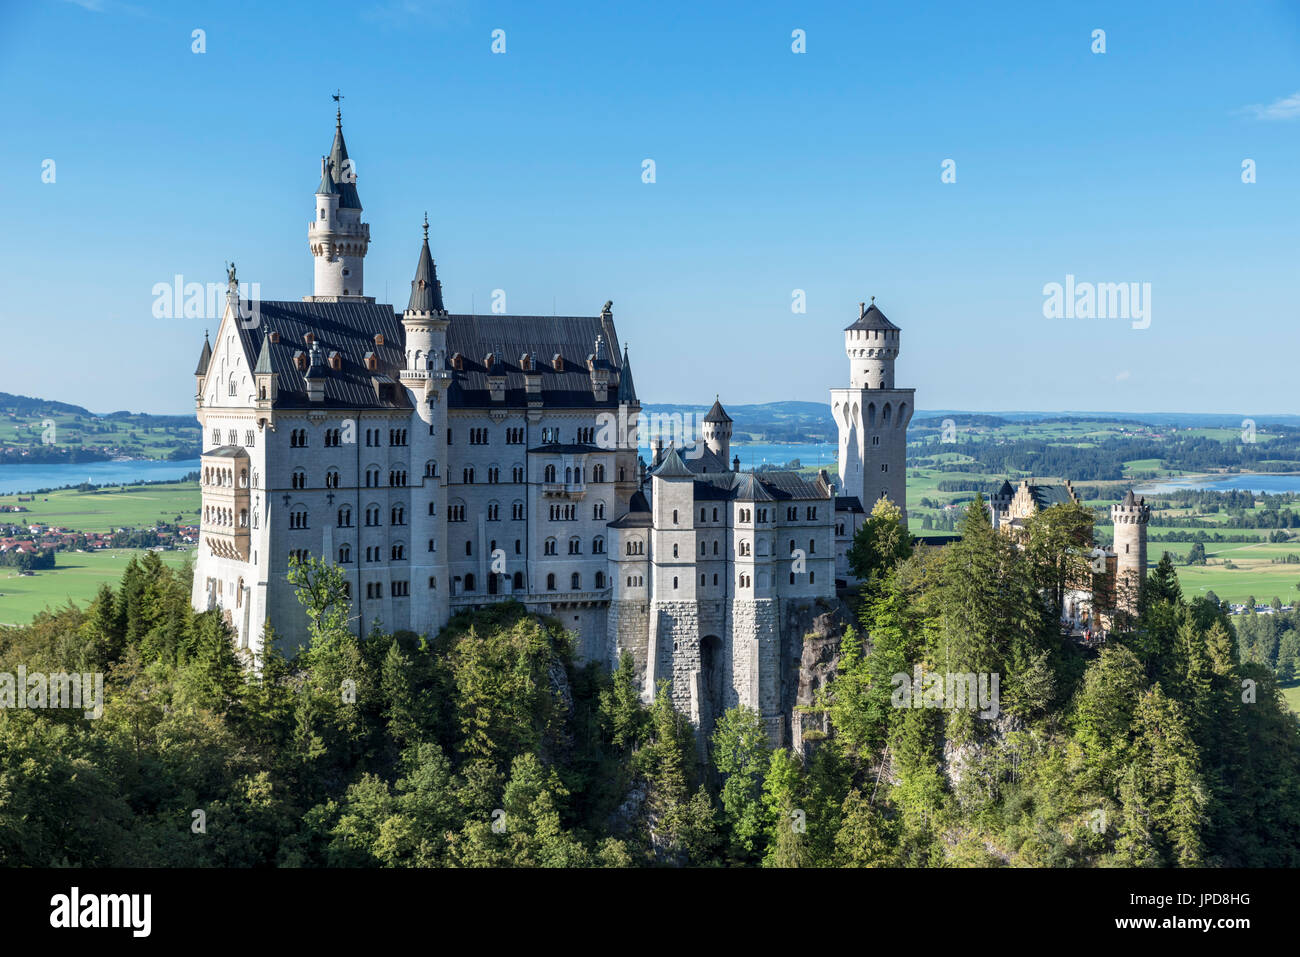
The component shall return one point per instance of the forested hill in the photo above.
(489, 745)
(41, 430)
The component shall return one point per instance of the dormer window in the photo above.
(458, 362)
(300, 360)
(557, 361)
(336, 361)
(372, 362)
(309, 338)
(379, 336)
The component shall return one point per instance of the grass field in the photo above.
(76, 576)
(108, 509)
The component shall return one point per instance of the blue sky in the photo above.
(775, 171)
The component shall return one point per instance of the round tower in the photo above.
(716, 430)
(871, 344)
(337, 237)
(426, 380)
(1130, 517)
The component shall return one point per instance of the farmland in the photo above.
(76, 577)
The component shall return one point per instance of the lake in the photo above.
(1274, 482)
(29, 478)
(765, 453)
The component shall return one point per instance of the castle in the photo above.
(446, 461)
(1109, 598)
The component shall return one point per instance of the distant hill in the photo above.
(79, 435)
(789, 421)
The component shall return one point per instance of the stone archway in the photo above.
(712, 690)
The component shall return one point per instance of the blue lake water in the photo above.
(1270, 482)
(762, 453)
(29, 478)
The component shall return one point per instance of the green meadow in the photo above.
(132, 506)
(76, 577)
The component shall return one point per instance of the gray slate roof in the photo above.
(573, 337)
(426, 291)
(626, 389)
(872, 318)
(348, 198)
(672, 466)
(717, 413)
(348, 328)
(205, 356)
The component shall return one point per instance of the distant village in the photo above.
(34, 546)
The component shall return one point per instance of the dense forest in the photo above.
(489, 745)
(1103, 460)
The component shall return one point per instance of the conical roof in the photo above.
(263, 366)
(326, 186)
(717, 413)
(626, 390)
(872, 318)
(204, 357)
(344, 174)
(426, 291)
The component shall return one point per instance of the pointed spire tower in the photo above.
(337, 237)
(426, 379)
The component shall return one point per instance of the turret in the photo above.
(201, 370)
(337, 237)
(872, 414)
(872, 346)
(1130, 517)
(716, 430)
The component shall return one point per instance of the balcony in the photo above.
(226, 512)
(564, 489)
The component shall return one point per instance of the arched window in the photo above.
(519, 581)
(674, 516)
(469, 582)
(550, 582)
(345, 554)
(674, 581)
(600, 580)
(575, 582)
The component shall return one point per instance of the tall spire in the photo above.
(626, 390)
(341, 168)
(426, 290)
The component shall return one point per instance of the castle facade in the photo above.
(446, 461)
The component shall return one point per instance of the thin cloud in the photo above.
(1286, 108)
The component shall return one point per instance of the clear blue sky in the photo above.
(775, 171)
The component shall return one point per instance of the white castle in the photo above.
(445, 462)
